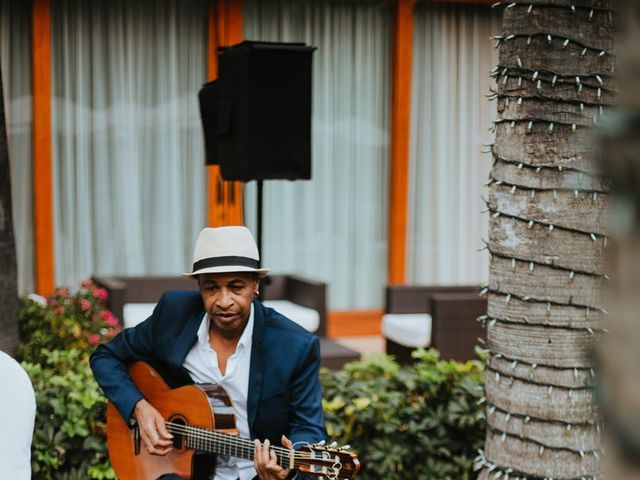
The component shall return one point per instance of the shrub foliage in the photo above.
(57, 336)
(64, 321)
(421, 421)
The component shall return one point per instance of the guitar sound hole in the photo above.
(178, 438)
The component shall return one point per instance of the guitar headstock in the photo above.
(329, 461)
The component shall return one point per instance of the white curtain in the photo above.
(15, 54)
(453, 55)
(334, 227)
(128, 149)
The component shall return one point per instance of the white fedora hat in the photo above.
(226, 250)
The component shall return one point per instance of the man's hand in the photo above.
(155, 437)
(266, 462)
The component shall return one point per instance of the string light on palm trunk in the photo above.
(546, 101)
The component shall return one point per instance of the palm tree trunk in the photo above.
(8, 268)
(547, 240)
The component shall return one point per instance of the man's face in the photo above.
(227, 299)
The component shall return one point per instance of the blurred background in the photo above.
(128, 190)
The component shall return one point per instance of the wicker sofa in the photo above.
(443, 317)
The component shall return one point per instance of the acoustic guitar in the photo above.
(202, 422)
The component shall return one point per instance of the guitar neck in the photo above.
(225, 444)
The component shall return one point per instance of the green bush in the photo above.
(57, 337)
(421, 421)
(69, 437)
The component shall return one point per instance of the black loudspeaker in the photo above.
(257, 115)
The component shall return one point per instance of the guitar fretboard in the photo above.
(226, 444)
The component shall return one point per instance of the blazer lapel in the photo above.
(256, 370)
(185, 340)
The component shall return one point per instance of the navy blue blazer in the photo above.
(284, 395)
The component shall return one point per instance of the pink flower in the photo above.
(102, 294)
(86, 283)
(59, 310)
(62, 292)
(109, 318)
(85, 305)
(94, 339)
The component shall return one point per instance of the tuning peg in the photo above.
(334, 445)
(321, 442)
(346, 447)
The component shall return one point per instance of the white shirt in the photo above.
(18, 403)
(202, 364)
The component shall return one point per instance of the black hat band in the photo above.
(228, 261)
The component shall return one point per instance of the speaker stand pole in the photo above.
(264, 281)
(259, 198)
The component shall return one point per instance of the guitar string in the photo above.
(247, 446)
(202, 435)
(229, 441)
(247, 450)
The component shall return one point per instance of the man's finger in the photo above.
(286, 443)
(273, 461)
(153, 436)
(257, 453)
(145, 440)
(162, 451)
(154, 449)
(159, 451)
(149, 447)
(258, 459)
(265, 451)
(162, 429)
(150, 429)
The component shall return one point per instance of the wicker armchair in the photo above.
(452, 312)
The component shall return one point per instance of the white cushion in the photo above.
(135, 313)
(408, 329)
(306, 317)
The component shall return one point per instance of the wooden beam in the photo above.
(224, 198)
(400, 128)
(42, 158)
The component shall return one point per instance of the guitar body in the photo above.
(206, 406)
(202, 421)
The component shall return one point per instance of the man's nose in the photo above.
(224, 299)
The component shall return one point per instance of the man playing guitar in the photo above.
(224, 335)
